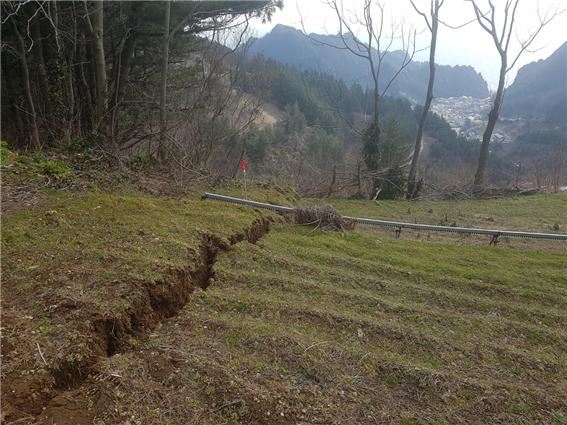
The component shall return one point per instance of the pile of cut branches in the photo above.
(323, 217)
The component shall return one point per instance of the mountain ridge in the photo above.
(290, 46)
(539, 90)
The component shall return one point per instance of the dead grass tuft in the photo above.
(323, 217)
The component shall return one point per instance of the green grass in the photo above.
(84, 256)
(539, 213)
(303, 327)
(312, 327)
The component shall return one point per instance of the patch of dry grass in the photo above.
(322, 217)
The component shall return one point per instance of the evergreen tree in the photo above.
(294, 119)
(385, 152)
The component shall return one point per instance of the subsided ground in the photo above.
(129, 308)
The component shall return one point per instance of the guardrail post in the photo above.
(398, 232)
(494, 241)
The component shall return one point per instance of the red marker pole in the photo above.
(243, 168)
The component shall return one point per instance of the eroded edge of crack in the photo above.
(153, 304)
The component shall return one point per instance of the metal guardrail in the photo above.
(400, 225)
(241, 201)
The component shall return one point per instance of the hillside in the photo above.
(131, 295)
(319, 119)
(290, 46)
(539, 90)
(119, 305)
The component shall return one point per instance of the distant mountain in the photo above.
(290, 46)
(540, 90)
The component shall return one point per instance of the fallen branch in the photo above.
(224, 406)
(40, 353)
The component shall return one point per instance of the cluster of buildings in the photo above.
(467, 117)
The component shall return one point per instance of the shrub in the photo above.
(6, 155)
(55, 169)
(139, 162)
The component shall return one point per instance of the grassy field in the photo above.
(82, 272)
(537, 213)
(310, 327)
(105, 319)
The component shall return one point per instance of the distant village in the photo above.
(467, 116)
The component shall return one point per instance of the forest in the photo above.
(173, 86)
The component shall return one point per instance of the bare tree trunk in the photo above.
(501, 37)
(163, 92)
(492, 119)
(100, 63)
(27, 87)
(88, 114)
(40, 62)
(333, 180)
(373, 50)
(376, 113)
(123, 69)
(55, 15)
(69, 84)
(70, 95)
(433, 26)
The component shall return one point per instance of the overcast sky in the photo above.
(469, 45)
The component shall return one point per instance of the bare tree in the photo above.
(26, 85)
(501, 33)
(163, 88)
(432, 22)
(376, 44)
(40, 61)
(374, 47)
(96, 29)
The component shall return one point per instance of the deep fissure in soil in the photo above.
(153, 304)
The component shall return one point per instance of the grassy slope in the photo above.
(311, 327)
(82, 258)
(304, 327)
(538, 213)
